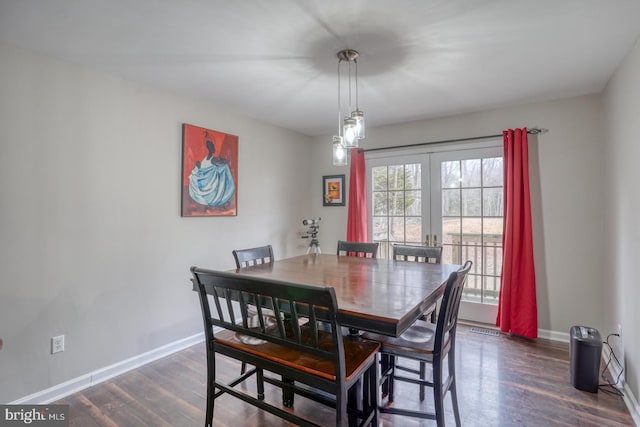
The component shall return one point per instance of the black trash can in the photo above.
(585, 352)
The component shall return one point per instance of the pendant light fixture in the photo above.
(352, 129)
(339, 150)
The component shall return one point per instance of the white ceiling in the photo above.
(275, 60)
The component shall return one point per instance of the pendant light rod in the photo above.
(356, 62)
(339, 107)
(349, 85)
(350, 55)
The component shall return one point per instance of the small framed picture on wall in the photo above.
(333, 192)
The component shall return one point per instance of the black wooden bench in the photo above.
(302, 345)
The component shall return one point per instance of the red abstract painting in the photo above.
(209, 172)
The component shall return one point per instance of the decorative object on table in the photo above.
(209, 172)
(313, 225)
(353, 128)
(333, 190)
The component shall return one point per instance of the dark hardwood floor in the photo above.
(502, 381)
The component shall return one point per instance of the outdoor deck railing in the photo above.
(486, 253)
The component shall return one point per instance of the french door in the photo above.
(452, 199)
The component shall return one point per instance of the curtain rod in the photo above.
(533, 131)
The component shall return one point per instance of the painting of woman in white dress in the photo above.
(209, 172)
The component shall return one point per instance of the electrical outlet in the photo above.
(57, 344)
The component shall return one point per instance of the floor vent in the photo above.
(485, 331)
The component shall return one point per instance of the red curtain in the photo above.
(357, 214)
(517, 309)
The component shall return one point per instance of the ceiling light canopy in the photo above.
(352, 128)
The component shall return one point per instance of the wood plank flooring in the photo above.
(502, 381)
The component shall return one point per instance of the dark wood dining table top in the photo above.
(377, 295)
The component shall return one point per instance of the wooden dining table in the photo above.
(376, 295)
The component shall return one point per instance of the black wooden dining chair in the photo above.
(357, 249)
(433, 344)
(318, 362)
(253, 256)
(429, 254)
(432, 254)
(249, 257)
(413, 253)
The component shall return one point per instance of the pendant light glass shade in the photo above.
(358, 116)
(350, 137)
(352, 129)
(339, 152)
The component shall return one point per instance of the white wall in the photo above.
(621, 289)
(92, 243)
(567, 196)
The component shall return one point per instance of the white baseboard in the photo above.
(542, 333)
(553, 335)
(629, 399)
(92, 378)
(632, 405)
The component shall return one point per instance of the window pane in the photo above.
(492, 172)
(396, 203)
(492, 203)
(413, 176)
(450, 174)
(491, 291)
(379, 177)
(450, 202)
(397, 230)
(492, 229)
(471, 202)
(413, 203)
(492, 260)
(472, 229)
(450, 254)
(472, 251)
(380, 228)
(473, 288)
(471, 173)
(396, 177)
(451, 233)
(414, 230)
(380, 203)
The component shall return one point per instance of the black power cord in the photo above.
(610, 387)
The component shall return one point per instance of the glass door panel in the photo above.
(466, 215)
(454, 198)
(397, 187)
